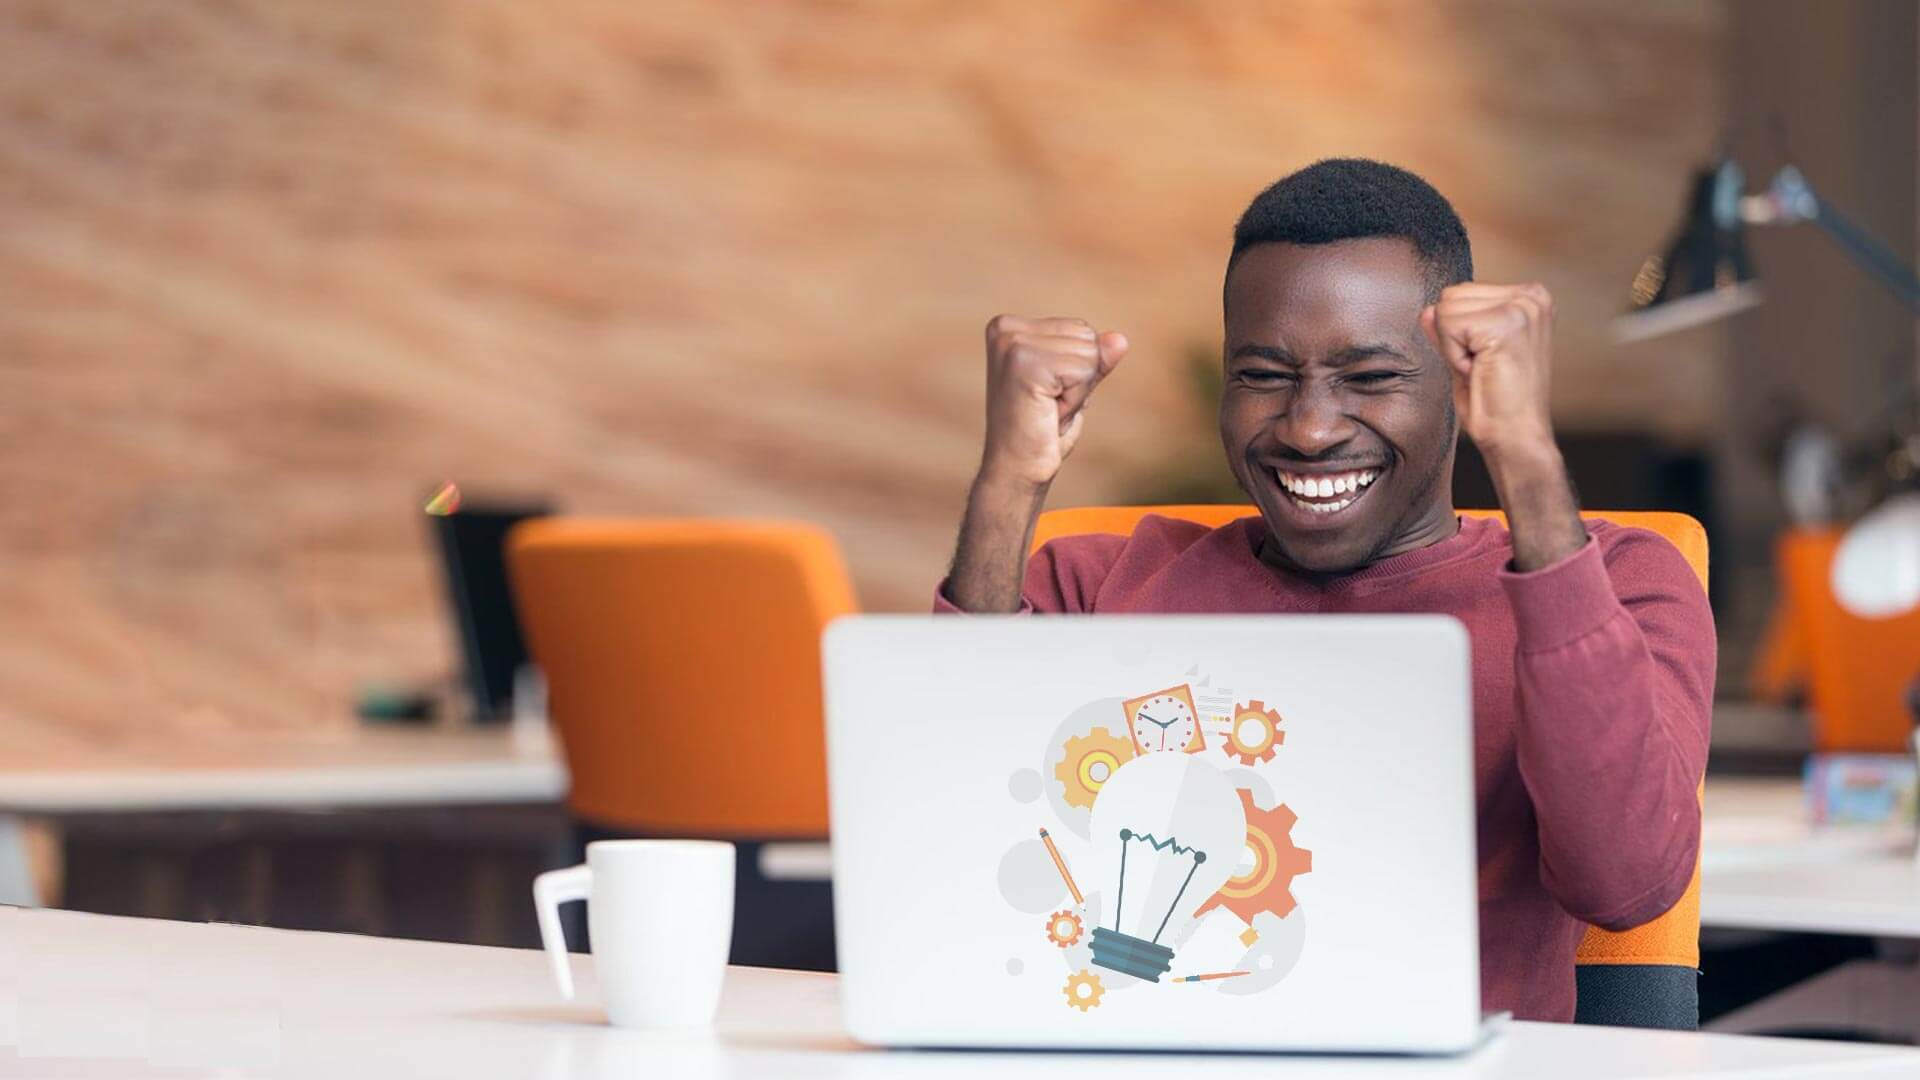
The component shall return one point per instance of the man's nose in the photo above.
(1315, 422)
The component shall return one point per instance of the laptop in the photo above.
(1161, 832)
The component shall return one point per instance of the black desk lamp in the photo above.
(1705, 274)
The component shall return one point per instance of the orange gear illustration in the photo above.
(1267, 885)
(1063, 928)
(1263, 724)
(1090, 760)
(1083, 990)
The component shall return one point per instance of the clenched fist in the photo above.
(1040, 373)
(1498, 339)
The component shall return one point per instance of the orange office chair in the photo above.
(682, 661)
(1644, 977)
(1855, 671)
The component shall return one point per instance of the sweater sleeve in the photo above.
(1063, 577)
(1615, 669)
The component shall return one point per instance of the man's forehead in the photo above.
(1326, 295)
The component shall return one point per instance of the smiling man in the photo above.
(1357, 349)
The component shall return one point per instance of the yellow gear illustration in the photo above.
(1254, 733)
(1063, 928)
(1090, 760)
(1084, 990)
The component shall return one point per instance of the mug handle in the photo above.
(550, 890)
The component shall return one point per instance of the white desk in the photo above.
(1765, 867)
(87, 995)
(54, 771)
(1877, 895)
(63, 773)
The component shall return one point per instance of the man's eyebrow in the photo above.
(1354, 354)
(1264, 352)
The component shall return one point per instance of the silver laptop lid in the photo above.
(1233, 832)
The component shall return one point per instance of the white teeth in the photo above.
(1326, 487)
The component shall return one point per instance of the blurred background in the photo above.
(273, 271)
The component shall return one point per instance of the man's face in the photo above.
(1330, 383)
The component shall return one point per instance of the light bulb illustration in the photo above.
(1167, 830)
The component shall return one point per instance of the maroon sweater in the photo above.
(1592, 688)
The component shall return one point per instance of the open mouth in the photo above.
(1326, 493)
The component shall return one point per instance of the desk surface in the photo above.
(1767, 868)
(52, 770)
(128, 997)
(64, 772)
(1764, 866)
(1877, 896)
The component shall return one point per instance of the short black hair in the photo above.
(1353, 198)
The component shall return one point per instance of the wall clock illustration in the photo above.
(1165, 721)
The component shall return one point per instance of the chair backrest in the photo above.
(1856, 670)
(1680, 530)
(683, 668)
(1671, 941)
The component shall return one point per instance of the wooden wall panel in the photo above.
(272, 269)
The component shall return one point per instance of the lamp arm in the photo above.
(1868, 252)
(1789, 199)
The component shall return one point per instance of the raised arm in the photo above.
(1040, 373)
(1615, 653)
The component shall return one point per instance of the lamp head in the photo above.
(1704, 274)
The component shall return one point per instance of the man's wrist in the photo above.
(1537, 495)
(1532, 458)
(1001, 487)
(990, 561)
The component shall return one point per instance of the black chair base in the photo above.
(1638, 995)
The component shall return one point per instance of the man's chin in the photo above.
(1317, 554)
(1322, 549)
(1330, 543)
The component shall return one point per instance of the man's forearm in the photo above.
(1616, 703)
(990, 562)
(1538, 498)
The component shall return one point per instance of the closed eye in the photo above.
(1374, 378)
(1265, 376)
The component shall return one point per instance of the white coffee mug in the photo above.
(660, 915)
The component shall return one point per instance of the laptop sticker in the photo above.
(1174, 849)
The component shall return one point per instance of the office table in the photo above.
(48, 772)
(55, 773)
(100, 996)
(1766, 868)
(1877, 895)
(67, 777)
